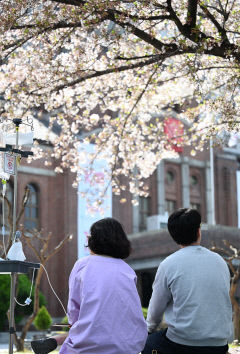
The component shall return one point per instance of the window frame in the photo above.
(33, 208)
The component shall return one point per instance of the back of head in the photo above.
(183, 226)
(108, 238)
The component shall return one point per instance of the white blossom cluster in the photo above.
(104, 70)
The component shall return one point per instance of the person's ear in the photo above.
(199, 233)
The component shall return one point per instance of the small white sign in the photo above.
(9, 163)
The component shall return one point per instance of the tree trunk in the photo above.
(236, 311)
(236, 318)
(20, 340)
(19, 343)
(41, 256)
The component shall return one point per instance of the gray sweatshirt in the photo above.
(192, 288)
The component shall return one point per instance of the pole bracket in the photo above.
(12, 330)
(17, 121)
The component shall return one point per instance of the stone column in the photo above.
(135, 214)
(209, 206)
(161, 188)
(135, 218)
(185, 182)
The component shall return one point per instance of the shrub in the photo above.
(24, 286)
(144, 310)
(65, 320)
(4, 298)
(43, 319)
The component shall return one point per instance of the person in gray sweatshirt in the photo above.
(191, 288)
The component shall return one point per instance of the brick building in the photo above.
(182, 182)
(52, 207)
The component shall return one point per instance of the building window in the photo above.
(194, 181)
(7, 207)
(144, 212)
(170, 206)
(196, 206)
(31, 212)
(226, 180)
(170, 177)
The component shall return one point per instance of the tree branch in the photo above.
(189, 30)
(52, 26)
(135, 58)
(220, 29)
(70, 2)
(146, 18)
(155, 59)
(192, 13)
(139, 33)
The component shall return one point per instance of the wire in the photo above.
(20, 304)
(4, 186)
(28, 299)
(54, 292)
(32, 282)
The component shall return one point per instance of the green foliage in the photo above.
(144, 310)
(4, 298)
(24, 286)
(43, 319)
(65, 320)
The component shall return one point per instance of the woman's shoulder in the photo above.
(80, 264)
(106, 261)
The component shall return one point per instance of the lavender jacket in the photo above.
(104, 309)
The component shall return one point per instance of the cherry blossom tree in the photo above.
(231, 254)
(108, 72)
(39, 244)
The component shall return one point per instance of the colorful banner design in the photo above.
(89, 184)
(174, 130)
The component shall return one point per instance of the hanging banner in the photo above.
(87, 213)
(3, 174)
(9, 163)
(174, 130)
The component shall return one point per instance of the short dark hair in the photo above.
(107, 237)
(183, 226)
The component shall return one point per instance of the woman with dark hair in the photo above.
(108, 238)
(104, 308)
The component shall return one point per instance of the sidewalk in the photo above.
(4, 343)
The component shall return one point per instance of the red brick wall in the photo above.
(226, 195)
(123, 211)
(58, 215)
(58, 212)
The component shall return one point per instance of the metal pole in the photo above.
(212, 181)
(11, 320)
(17, 122)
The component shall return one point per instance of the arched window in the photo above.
(170, 176)
(194, 181)
(7, 206)
(197, 200)
(144, 212)
(172, 188)
(31, 211)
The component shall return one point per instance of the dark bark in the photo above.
(192, 13)
(43, 255)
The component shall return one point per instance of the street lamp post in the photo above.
(212, 181)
